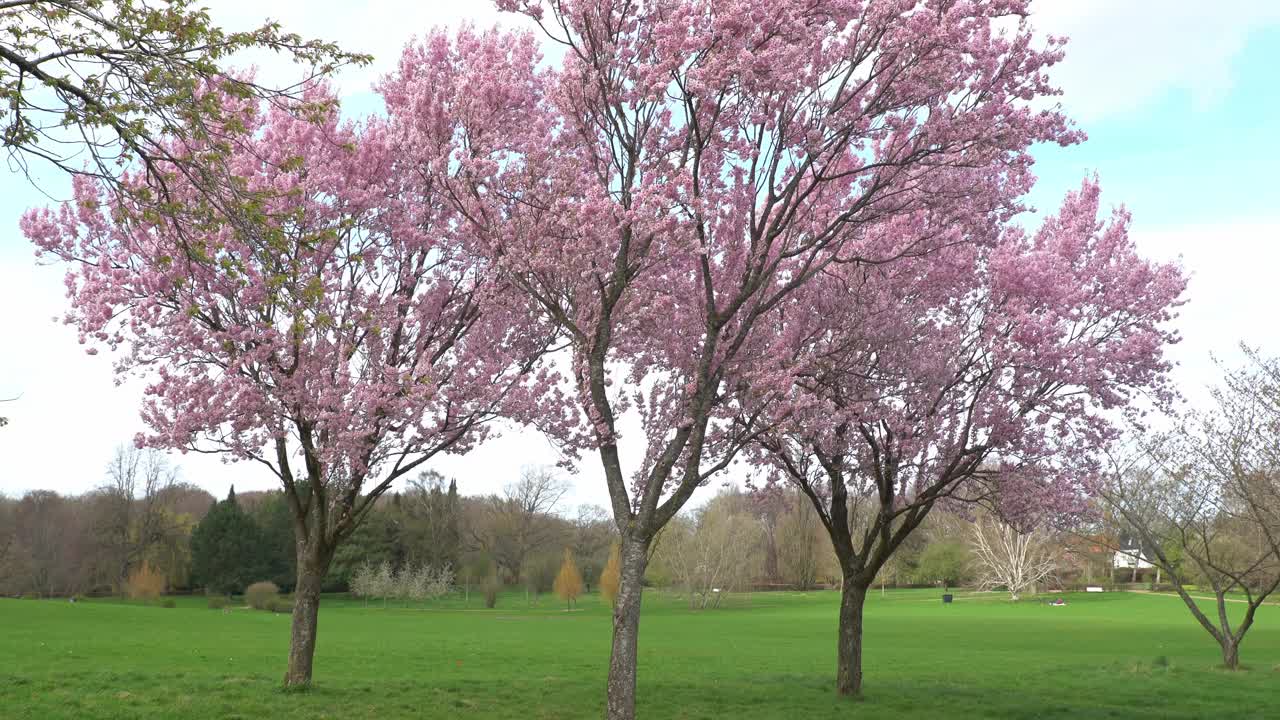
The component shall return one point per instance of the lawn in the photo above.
(763, 656)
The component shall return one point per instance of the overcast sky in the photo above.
(1177, 96)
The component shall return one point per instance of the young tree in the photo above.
(568, 584)
(226, 548)
(519, 523)
(363, 582)
(1204, 502)
(611, 577)
(340, 340)
(1034, 341)
(491, 587)
(687, 167)
(384, 582)
(1013, 558)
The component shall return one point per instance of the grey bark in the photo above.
(626, 630)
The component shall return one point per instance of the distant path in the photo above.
(1210, 598)
(994, 594)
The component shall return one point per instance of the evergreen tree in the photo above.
(279, 552)
(375, 541)
(226, 548)
(427, 521)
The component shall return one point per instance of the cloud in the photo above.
(380, 28)
(1122, 54)
(1231, 295)
(1125, 53)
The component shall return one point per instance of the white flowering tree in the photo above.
(410, 584)
(1010, 558)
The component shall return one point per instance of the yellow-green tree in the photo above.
(568, 584)
(609, 579)
(145, 582)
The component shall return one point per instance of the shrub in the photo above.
(490, 589)
(279, 605)
(144, 582)
(260, 594)
(218, 602)
(169, 603)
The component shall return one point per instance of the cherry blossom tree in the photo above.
(688, 166)
(341, 343)
(983, 372)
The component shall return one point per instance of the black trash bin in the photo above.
(947, 598)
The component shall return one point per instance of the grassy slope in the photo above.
(767, 657)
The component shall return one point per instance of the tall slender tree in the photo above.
(688, 166)
(568, 582)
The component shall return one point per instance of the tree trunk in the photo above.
(626, 631)
(1230, 654)
(306, 614)
(849, 649)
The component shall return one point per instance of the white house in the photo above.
(1130, 555)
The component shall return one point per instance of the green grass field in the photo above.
(762, 656)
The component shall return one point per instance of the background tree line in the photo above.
(764, 539)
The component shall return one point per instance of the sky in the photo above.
(1177, 98)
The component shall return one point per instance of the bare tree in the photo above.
(1013, 558)
(7, 559)
(711, 554)
(593, 534)
(50, 544)
(132, 517)
(1204, 500)
(517, 523)
(801, 542)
